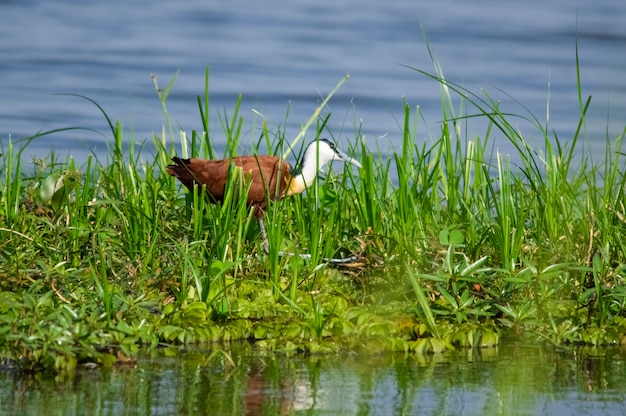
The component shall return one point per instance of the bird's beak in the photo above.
(347, 158)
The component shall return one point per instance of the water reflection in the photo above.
(516, 378)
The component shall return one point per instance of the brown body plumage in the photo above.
(264, 173)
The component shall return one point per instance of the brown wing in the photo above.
(262, 171)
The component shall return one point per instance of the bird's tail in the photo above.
(182, 171)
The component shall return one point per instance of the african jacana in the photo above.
(262, 172)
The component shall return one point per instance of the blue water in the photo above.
(285, 57)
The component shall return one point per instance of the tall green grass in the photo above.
(462, 243)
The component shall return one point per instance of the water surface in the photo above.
(514, 379)
(285, 57)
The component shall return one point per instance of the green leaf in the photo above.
(57, 187)
(451, 237)
(50, 186)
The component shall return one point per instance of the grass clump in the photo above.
(100, 258)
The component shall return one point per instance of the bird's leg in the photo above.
(266, 247)
(266, 244)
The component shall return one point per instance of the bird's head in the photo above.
(316, 155)
(324, 151)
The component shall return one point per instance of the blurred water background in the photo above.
(284, 56)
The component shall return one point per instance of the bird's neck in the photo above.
(304, 176)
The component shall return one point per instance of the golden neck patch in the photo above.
(295, 185)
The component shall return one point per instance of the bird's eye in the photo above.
(329, 143)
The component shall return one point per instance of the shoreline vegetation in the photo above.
(101, 259)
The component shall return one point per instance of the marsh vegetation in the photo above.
(455, 243)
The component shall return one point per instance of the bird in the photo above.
(269, 177)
